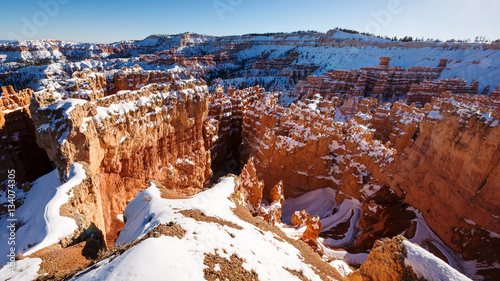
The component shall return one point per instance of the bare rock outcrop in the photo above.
(134, 78)
(10, 100)
(299, 218)
(252, 190)
(252, 187)
(438, 158)
(386, 262)
(272, 212)
(399, 259)
(423, 92)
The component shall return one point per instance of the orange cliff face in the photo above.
(127, 139)
(452, 174)
(227, 110)
(10, 100)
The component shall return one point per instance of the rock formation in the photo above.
(386, 262)
(280, 140)
(18, 146)
(409, 149)
(451, 173)
(134, 78)
(423, 93)
(299, 218)
(272, 213)
(252, 189)
(382, 82)
(127, 139)
(313, 228)
(389, 147)
(10, 100)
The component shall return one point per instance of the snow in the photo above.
(42, 225)
(26, 269)
(354, 259)
(428, 266)
(319, 202)
(349, 210)
(322, 202)
(66, 106)
(490, 233)
(182, 259)
(341, 266)
(122, 139)
(424, 235)
(340, 117)
(364, 116)
(15, 137)
(185, 161)
(373, 209)
(120, 217)
(43, 127)
(370, 189)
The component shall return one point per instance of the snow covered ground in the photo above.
(26, 269)
(183, 258)
(40, 223)
(428, 266)
(322, 202)
(424, 235)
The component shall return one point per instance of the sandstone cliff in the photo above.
(127, 139)
(18, 146)
(452, 173)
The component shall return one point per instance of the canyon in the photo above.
(270, 134)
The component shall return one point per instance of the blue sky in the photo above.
(114, 20)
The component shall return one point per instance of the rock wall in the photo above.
(382, 82)
(127, 139)
(495, 96)
(393, 259)
(227, 107)
(281, 139)
(18, 147)
(452, 173)
(442, 159)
